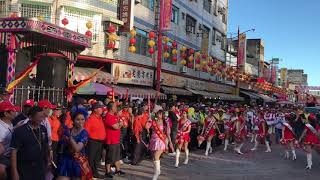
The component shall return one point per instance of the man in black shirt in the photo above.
(30, 152)
(174, 119)
(22, 117)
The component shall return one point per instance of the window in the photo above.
(224, 18)
(175, 14)
(207, 5)
(148, 4)
(190, 24)
(223, 42)
(213, 36)
(36, 10)
(78, 19)
(142, 43)
(3, 8)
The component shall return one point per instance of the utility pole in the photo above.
(159, 46)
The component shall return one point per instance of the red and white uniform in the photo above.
(288, 135)
(311, 138)
(182, 136)
(262, 123)
(243, 130)
(212, 131)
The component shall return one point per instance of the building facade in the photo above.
(296, 77)
(200, 25)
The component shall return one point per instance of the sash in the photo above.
(159, 132)
(86, 173)
(312, 129)
(289, 127)
(211, 124)
(180, 133)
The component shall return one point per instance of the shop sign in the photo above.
(128, 74)
(126, 14)
(220, 88)
(172, 80)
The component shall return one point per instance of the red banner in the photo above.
(273, 74)
(126, 14)
(166, 14)
(242, 51)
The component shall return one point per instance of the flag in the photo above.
(23, 75)
(74, 88)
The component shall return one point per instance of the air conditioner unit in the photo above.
(189, 29)
(137, 1)
(183, 69)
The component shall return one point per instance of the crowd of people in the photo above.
(47, 141)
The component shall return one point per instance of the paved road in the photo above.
(229, 166)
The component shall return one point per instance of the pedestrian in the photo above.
(183, 137)
(220, 117)
(263, 133)
(97, 135)
(240, 133)
(125, 116)
(47, 110)
(7, 114)
(230, 127)
(30, 148)
(113, 150)
(22, 117)
(158, 141)
(278, 124)
(288, 138)
(73, 163)
(310, 138)
(172, 115)
(209, 131)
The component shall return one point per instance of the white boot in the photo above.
(226, 144)
(268, 147)
(238, 149)
(294, 156)
(207, 148)
(252, 137)
(187, 157)
(156, 170)
(177, 157)
(287, 155)
(256, 143)
(309, 161)
(210, 150)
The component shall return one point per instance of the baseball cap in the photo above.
(29, 102)
(98, 105)
(46, 104)
(8, 106)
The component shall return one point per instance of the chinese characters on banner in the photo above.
(242, 51)
(126, 14)
(127, 74)
(166, 14)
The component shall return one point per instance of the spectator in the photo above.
(97, 134)
(139, 136)
(7, 114)
(22, 117)
(30, 148)
(73, 162)
(279, 120)
(113, 130)
(47, 110)
(174, 120)
(55, 125)
(125, 116)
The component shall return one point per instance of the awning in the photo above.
(250, 94)
(267, 98)
(229, 97)
(205, 94)
(176, 91)
(94, 88)
(81, 73)
(140, 92)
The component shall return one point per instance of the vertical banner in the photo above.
(273, 73)
(242, 51)
(283, 77)
(126, 14)
(166, 14)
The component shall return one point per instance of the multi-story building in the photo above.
(296, 77)
(200, 25)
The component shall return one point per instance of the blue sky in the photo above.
(289, 28)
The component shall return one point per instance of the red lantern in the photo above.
(111, 29)
(111, 45)
(174, 44)
(204, 56)
(198, 61)
(183, 55)
(174, 59)
(190, 65)
(88, 33)
(132, 41)
(151, 34)
(151, 50)
(65, 21)
(191, 51)
(166, 47)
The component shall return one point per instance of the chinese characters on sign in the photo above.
(242, 51)
(126, 9)
(132, 74)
